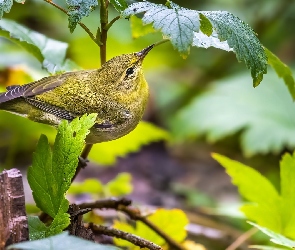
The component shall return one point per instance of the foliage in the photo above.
(6, 5)
(60, 242)
(172, 222)
(52, 171)
(49, 52)
(230, 106)
(275, 238)
(119, 186)
(267, 207)
(182, 27)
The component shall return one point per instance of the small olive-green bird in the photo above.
(117, 92)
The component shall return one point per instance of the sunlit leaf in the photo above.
(266, 206)
(138, 29)
(92, 186)
(172, 222)
(119, 186)
(282, 70)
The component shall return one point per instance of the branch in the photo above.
(134, 214)
(138, 241)
(83, 26)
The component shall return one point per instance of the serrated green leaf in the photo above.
(282, 71)
(79, 9)
(138, 29)
(5, 6)
(275, 237)
(242, 39)
(175, 22)
(61, 242)
(119, 186)
(37, 228)
(51, 172)
(91, 186)
(49, 52)
(107, 152)
(172, 222)
(264, 198)
(265, 115)
(119, 5)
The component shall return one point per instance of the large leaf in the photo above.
(107, 152)
(79, 9)
(242, 39)
(175, 22)
(204, 29)
(52, 171)
(266, 207)
(265, 115)
(49, 52)
(61, 242)
(5, 6)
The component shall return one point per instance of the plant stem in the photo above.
(104, 30)
(109, 25)
(83, 26)
(161, 42)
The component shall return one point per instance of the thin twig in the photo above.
(239, 241)
(83, 26)
(109, 25)
(138, 241)
(103, 28)
(82, 161)
(135, 215)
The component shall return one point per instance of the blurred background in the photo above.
(204, 104)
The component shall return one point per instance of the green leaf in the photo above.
(267, 207)
(172, 222)
(107, 152)
(119, 186)
(242, 39)
(175, 22)
(282, 71)
(91, 186)
(79, 9)
(206, 26)
(61, 242)
(51, 172)
(265, 116)
(119, 5)
(5, 6)
(37, 228)
(275, 237)
(49, 52)
(264, 207)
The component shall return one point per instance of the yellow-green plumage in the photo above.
(117, 92)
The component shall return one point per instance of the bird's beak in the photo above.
(141, 54)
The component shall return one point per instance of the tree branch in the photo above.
(138, 241)
(134, 214)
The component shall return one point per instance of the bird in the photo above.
(117, 92)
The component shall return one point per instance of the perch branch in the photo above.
(138, 241)
(134, 214)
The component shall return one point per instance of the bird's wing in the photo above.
(34, 88)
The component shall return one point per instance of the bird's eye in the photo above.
(129, 71)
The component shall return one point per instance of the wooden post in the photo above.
(13, 219)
